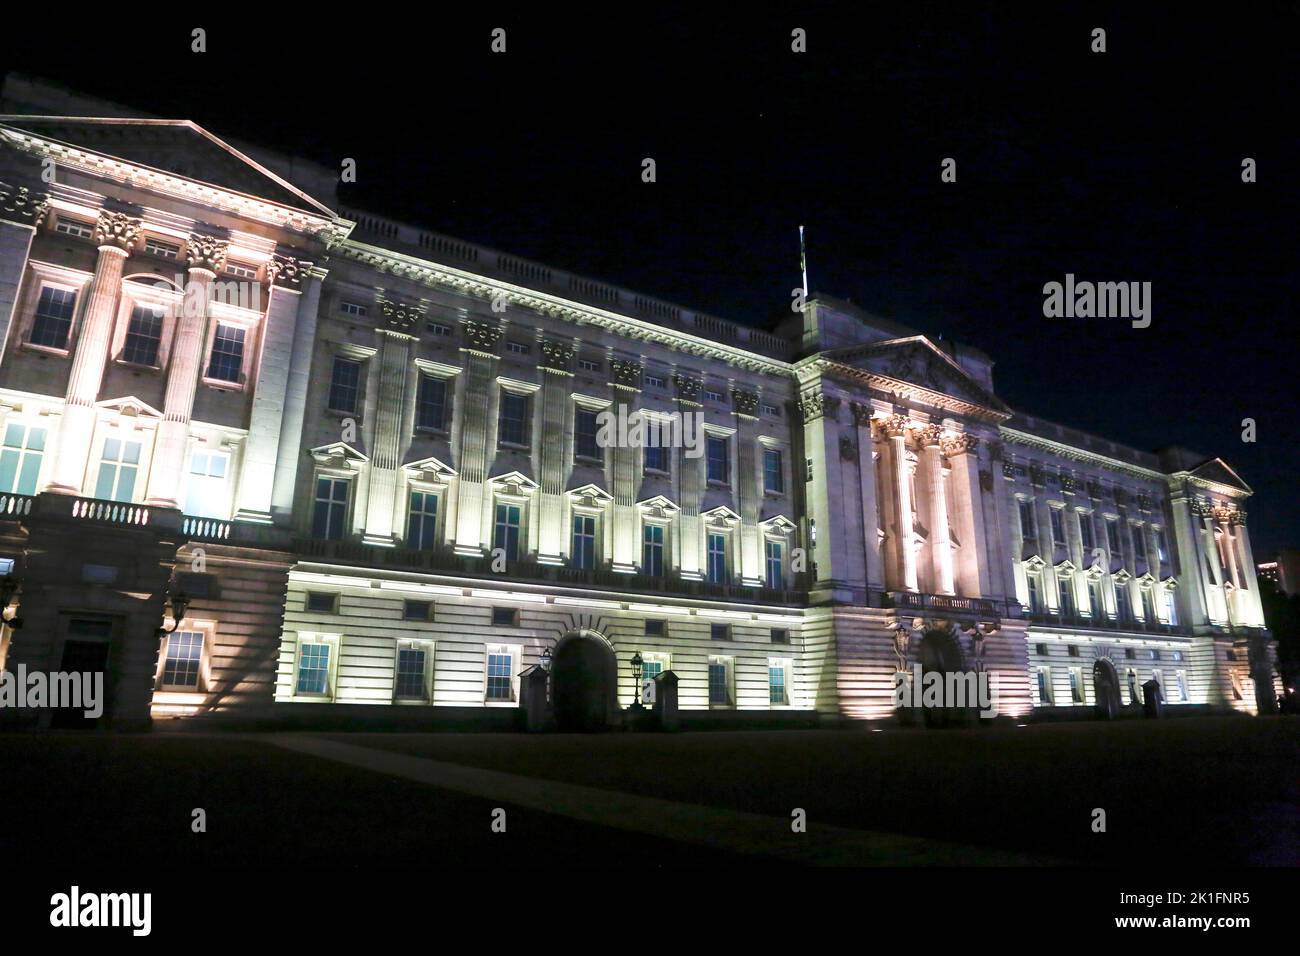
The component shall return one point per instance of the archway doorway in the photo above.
(1105, 683)
(584, 677)
(941, 655)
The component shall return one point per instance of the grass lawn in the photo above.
(1204, 791)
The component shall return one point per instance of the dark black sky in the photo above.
(1123, 166)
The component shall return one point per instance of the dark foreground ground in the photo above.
(1203, 791)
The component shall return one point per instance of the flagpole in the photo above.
(803, 264)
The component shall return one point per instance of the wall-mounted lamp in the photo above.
(178, 603)
(545, 660)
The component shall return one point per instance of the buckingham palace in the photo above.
(268, 460)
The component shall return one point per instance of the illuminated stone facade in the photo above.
(364, 453)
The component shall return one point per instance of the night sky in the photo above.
(1122, 166)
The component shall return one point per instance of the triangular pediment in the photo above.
(130, 405)
(181, 148)
(915, 363)
(337, 453)
(778, 524)
(720, 515)
(659, 506)
(1217, 471)
(590, 494)
(514, 482)
(430, 469)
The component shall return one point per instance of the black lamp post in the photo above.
(178, 602)
(636, 679)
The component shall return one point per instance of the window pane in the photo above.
(184, 650)
(431, 403)
(343, 385)
(227, 354)
(53, 318)
(313, 669)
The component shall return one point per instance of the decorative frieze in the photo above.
(401, 316)
(287, 272)
(960, 445)
(817, 405)
(482, 337)
(21, 204)
(688, 389)
(117, 229)
(557, 356)
(745, 403)
(627, 374)
(206, 252)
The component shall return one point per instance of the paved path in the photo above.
(729, 830)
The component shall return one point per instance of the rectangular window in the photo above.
(1058, 527)
(770, 410)
(505, 617)
(1095, 607)
(331, 509)
(184, 651)
(719, 463)
(205, 492)
(720, 632)
(1044, 685)
(118, 467)
(439, 330)
(777, 691)
(774, 565)
(1139, 542)
(656, 458)
(53, 317)
(1076, 685)
(517, 348)
(808, 469)
(584, 542)
(587, 365)
(1181, 677)
(1171, 607)
(70, 227)
(652, 550)
(717, 558)
(500, 675)
(20, 459)
(1123, 603)
(512, 423)
(654, 628)
(416, 610)
(143, 335)
(162, 250)
(1035, 594)
(1085, 535)
(773, 472)
(241, 270)
(318, 602)
(313, 668)
(410, 683)
(585, 430)
(505, 531)
(720, 681)
(1162, 547)
(654, 381)
(780, 635)
(1028, 527)
(431, 403)
(1148, 606)
(227, 362)
(344, 383)
(712, 396)
(1112, 538)
(1065, 595)
(352, 308)
(422, 521)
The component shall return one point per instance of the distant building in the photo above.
(1283, 572)
(370, 457)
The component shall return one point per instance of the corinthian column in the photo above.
(895, 428)
(940, 536)
(206, 256)
(115, 233)
(480, 363)
(973, 571)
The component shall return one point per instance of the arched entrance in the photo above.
(940, 655)
(584, 678)
(1105, 683)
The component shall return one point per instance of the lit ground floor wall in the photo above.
(1205, 670)
(461, 633)
(871, 647)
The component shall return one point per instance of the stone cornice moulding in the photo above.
(1027, 440)
(819, 365)
(553, 306)
(329, 230)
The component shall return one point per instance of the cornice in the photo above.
(436, 274)
(815, 365)
(1026, 440)
(327, 230)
